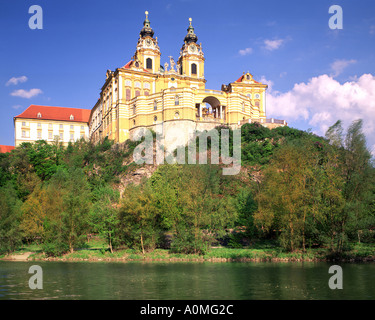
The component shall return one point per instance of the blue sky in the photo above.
(316, 75)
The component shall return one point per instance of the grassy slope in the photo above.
(96, 250)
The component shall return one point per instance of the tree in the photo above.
(357, 173)
(192, 206)
(10, 235)
(68, 228)
(104, 214)
(139, 218)
(286, 198)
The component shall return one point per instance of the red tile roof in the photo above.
(241, 78)
(55, 113)
(5, 149)
(129, 65)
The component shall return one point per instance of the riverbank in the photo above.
(96, 253)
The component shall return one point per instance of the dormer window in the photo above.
(71, 117)
(39, 115)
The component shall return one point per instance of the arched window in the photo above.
(134, 108)
(137, 93)
(248, 77)
(149, 63)
(176, 100)
(193, 68)
(155, 105)
(71, 117)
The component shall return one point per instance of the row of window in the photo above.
(176, 103)
(257, 95)
(26, 134)
(50, 126)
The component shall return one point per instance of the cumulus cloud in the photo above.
(15, 81)
(323, 100)
(271, 45)
(26, 94)
(338, 66)
(245, 52)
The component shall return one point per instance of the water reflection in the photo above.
(185, 280)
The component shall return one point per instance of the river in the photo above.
(186, 280)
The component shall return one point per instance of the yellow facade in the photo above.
(145, 94)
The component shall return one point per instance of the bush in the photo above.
(55, 249)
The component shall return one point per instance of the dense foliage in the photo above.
(295, 188)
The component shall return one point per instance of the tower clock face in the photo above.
(193, 48)
(148, 42)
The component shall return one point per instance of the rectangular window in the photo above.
(71, 127)
(23, 124)
(39, 135)
(50, 126)
(23, 134)
(127, 94)
(50, 135)
(39, 125)
(61, 136)
(61, 127)
(72, 136)
(82, 128)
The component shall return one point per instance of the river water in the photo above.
(186, 280)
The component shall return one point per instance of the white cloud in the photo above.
(245, 52)
(267, 82)
(271, 45)
(323, 100)
(338, 66)
(16, 81)
(26, 94)
(17, 106)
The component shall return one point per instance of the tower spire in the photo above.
(191, 36)
(146, 30)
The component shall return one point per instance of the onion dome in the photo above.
(191, 36)
(146, 30)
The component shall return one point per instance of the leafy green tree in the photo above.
(286, 198)
(191, 205)
(70, 226)
(139, 218)
(10, 234)
(104, 214)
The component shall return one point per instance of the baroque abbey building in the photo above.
(170, 98)
(146, 94)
